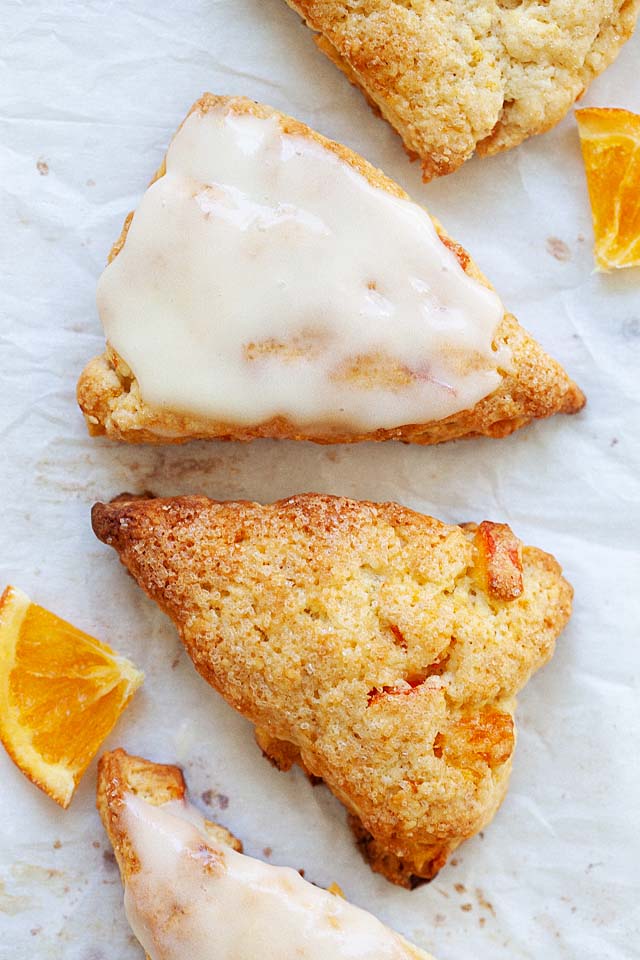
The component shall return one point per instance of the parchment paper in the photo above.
(89, 96)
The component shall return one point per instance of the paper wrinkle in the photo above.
(94, 92)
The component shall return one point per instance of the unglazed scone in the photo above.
(272, 283)
(191, 893)
(378, 648)
(458, 76)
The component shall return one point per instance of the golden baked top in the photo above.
(380, 648)
(454, 76)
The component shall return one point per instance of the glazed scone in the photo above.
(274, 284)
(190, 891)
(458, 76)
(378, 648)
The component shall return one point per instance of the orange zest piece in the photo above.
(61, 693)
(610, 141)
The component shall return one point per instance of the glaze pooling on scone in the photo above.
(264, 276)
(531, 384)
(196, 898)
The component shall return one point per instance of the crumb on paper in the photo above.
(267, 851)
(558, 249)
(484, 903)
(459, 888)
(57, 844)
(467, 907)
(96, 844)
(109, 858)
(42, 167)
(208, 797)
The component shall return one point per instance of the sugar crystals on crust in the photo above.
(458, 76)
(380, 649)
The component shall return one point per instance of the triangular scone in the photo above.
(274, 284)
(378, 648)
(191, 893)
(453, 76)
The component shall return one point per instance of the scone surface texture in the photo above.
(458, 76)
(240, 302)
(378, 648)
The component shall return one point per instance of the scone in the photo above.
(274, 284)
(458, 76)
(191, 893)
(378, 648)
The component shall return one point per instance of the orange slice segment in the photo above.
(610, 141)
(61, 693)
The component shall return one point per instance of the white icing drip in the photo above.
(261, 267)
(194, 897)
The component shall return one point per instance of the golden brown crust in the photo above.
(535, 387)
(453, 76)
(365, 642)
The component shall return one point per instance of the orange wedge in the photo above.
(61, 693)
(610, 141)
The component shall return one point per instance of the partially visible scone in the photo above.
(189, 891)
(382, 385)
(380, 649)
(458, 76)
(121, 773)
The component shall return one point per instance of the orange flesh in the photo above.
(63, 693)
(610, 141)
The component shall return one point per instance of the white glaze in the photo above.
(256, 236)
(196, 898)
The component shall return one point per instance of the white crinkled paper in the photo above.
(89, 96)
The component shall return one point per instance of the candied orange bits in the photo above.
(61, 693)
(610, 141)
